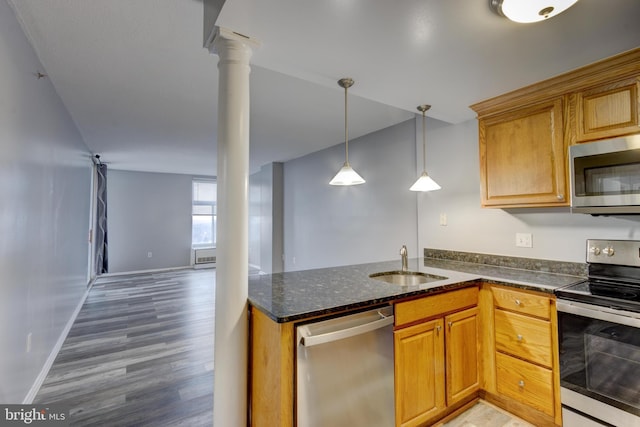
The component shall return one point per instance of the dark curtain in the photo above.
(102, 258)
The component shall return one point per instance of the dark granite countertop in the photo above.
(297, 295)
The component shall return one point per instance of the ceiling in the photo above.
(143, 91)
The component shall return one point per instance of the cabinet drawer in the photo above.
(436, 305)
(526, 337)
(522, 302)
(525, 382)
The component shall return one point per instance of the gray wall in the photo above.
(328, 225)
(45, 183)
(557, 233)
(148, 212)
(266, 245)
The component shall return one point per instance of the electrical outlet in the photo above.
(149, 254)
(524, 240)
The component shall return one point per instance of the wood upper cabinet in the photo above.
(608, 110)
(523, 157)
(436, 355)
(524, 134)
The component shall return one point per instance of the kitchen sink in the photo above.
(406, 278)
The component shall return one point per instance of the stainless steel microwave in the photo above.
(605, 176)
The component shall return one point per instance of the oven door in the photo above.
(599, 363)
(605, 176)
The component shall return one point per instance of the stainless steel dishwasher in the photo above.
(345, 371)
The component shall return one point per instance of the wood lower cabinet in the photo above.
(272, 372)
(419, 373)
(436, 359)
(461, 350)
(495, 342)
(519, 347)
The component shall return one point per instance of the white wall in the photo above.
(557, 234)
(45, 180)
(330, 225)
(148, 212)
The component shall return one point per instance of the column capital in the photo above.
(223, 35)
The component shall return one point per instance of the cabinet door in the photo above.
(462, 354)
(419, 372)
(523, 157)
(608, 111)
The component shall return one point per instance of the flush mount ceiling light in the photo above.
(526, 11)
(346, 175)
(424, 182)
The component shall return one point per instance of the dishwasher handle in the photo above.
(311, 340)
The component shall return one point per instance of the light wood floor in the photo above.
(140, 353)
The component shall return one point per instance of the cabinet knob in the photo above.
(438, 328)
(560, 196)
(517, 301)
(519, 337)
(521, 383)
(450, 325)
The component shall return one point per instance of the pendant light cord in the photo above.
(424, 143)
(346, 83)
(346, 133)
(423, 109)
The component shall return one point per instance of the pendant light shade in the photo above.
(346, 175)
(424, 182)
(526, 11)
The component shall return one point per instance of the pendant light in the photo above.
(346, 175)
(424, 182)
(526, 11)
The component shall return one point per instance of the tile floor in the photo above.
(483, 414)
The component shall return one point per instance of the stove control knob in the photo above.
(594, 250)
(608, 251)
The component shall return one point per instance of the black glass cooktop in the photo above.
(609, 293)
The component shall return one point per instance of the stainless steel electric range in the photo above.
(599, 332)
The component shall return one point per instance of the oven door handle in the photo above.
(598, 312)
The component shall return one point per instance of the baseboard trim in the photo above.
(33, 391)
(152, 270)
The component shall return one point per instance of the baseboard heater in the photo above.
(204, 258)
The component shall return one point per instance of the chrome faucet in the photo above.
(404, 255)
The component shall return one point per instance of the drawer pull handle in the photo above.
(519, 337)
(521, 383)
(517, 301)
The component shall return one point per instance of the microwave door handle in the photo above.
(311, 340)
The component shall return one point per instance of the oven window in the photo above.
(601, 360)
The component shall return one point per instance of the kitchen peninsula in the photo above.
(279, 302)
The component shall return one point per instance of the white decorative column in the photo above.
(231, 326)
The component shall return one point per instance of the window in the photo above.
(203, 213)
